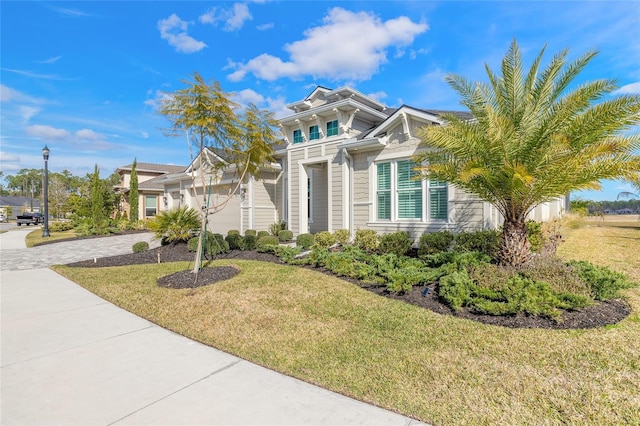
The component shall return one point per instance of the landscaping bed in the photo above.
(597, 315)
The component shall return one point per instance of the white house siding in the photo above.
(264, 201)
(294, 186)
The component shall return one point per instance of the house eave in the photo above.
(362, 145)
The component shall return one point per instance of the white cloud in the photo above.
(156, 99)
(47, 132)
(629, 89)
(11, 158)
(378, 96)
(31, 74)
(69, 12)
(174, 30)
(233, 18)
(27, 112)
(264, 27)
(144, 135)
(7, 94)
(348, 46)
(50, 60)
(247, 96)
(88, 134)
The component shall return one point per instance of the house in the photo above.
(346, 163)
(13, 206)
(150, 188)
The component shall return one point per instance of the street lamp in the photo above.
(45, 155)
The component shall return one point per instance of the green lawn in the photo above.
(35, 237)
(435, 368)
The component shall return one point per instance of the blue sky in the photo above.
(85, 77)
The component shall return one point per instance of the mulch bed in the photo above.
(598, 315)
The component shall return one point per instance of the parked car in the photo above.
(30, 219)
(3, 218)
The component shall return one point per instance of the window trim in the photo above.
(425, 189)
(301, 136)
(336, 130)
(146, 205)
(314, 135)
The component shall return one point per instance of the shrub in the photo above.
(262, 234)
(233, 231)
(276, 227)
(215, 246)
(235, 241)
(486, 241)
(603, 282)
(287, 254)
(367, 239)
(396, 242)
(455, 289)
(192, 244)
(324, 239)
(305, 241)
(343, 236)
(434, 242)
(267, 243)
(559, 275)
(140, 246)
(175, 225)
(249, 242)
(285, 235)
(251, 232)
(60, 226)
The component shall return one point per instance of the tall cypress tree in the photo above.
(133, 193)
(96, 195)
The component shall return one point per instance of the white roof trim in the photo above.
(402, 111)
(289, 120)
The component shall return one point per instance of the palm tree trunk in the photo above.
(514, 249)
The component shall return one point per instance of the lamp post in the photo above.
(45, 155)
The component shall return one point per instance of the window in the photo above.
(314, 133)
(384, 191)
(297, 136)
(150, 205)
(332, 128)
(400, 196)
(409, 191)
(437, 199)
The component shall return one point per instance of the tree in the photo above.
(206, 115)
(133, 193)
(96, 197)
(532, 139)
(58, 195)
(629, 194)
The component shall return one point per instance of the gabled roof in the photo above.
(435, 116)
(153, 167)
(18, 201)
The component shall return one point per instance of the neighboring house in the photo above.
(16, 205)
(346, 164)
(150, 190)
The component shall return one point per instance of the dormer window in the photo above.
(332, 128)
(297, 136)
(314, 133)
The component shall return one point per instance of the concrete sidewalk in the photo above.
(69, 357)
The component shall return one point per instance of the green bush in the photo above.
(60, 226)
(287, 254)
(233, 231)
(455, 289)
(262, 234)
(235, 241)
(285, 235)
(276, 227)
(486, 241)
(140, 246)
(342, 236)
(396, 242)
(305, 241)
(215, 246)
(175, 225)
(251, 232)
(192, 244)
(603, 282)
(434, 242)
(367, 240)
(249, 242)
(324, 239)
(267, 243)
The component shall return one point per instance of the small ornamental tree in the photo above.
(221, 139)
(535, 136)
(134, 201)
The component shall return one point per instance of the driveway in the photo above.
(71, 358)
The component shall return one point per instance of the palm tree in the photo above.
(533, 138)
(629, 194)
